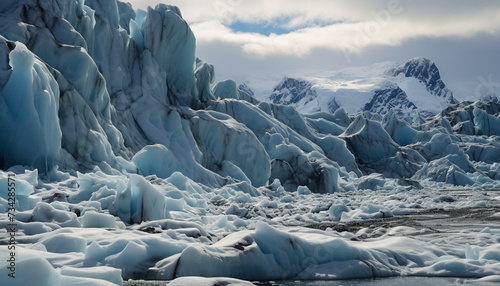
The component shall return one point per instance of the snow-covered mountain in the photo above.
(291, 91)
(415, 84)
(389, 97)
(426, 72)
(120, 157)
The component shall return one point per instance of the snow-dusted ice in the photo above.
(121, 158)
(222, 233)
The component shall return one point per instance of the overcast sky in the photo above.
(277, 37)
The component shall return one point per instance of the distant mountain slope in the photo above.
(244, 87)
(427, 72)
(290, 91)
(413, 85)
(387, 98)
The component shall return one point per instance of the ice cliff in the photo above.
(109, 120)
(99, 84)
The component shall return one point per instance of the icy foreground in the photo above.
(128, 162)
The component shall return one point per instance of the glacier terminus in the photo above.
(123, 159)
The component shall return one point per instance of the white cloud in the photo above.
(328, 34)
(358, 24)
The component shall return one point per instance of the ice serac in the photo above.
(297, 157)
(132, 97)
(29, 102)
(221, 138)
(63, 40)
(205, 76)
(447, 161)
(228, 89)
(462, 119)
(332, 147)
(156, 160)
(368, 140)
(485, 124)
(122, 67)
(444, 170)
(440, 146)
(115, 66)
(402, 133)
(171, 42)
(179, 151)
(341, 117)
(126, 12)
(140, 201)
(376, 151)
(324, 123)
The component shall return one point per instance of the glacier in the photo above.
(131, 162)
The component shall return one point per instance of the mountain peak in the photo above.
(389, 97)
(427, 72)
(244, 87)
(290, 90)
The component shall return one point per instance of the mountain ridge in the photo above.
(418, 78)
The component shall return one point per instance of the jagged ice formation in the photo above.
(110, 122)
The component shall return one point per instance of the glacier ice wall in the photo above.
(122, 90)
(121, 80)
(29, 102)
(99, 69)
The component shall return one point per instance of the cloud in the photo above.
(350, 27)
(324, 34)
(356, 24)
(347, 37)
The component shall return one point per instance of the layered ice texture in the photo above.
(131, 162)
